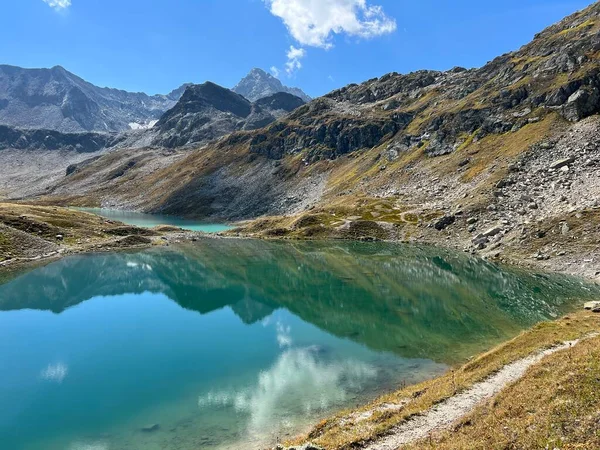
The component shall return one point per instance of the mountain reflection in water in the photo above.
(412, 301)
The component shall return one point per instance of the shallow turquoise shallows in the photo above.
(232, 344)
(153, 220)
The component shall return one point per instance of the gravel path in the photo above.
(449, 411)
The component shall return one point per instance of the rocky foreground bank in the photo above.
(35, 234)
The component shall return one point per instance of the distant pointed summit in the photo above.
(260, 84)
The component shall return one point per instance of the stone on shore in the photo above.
(444, 222)
(493, 231)
(592, 306)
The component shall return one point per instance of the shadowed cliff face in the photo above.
(407, 300)
(208, 111)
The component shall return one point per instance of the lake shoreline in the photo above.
(568, 255)
(577, 263)
(31, 236)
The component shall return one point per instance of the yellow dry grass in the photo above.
(346, 432)
(555, 405)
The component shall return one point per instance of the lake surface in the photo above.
(229, 344)
(152, 220)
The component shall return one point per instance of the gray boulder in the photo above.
(581, 104)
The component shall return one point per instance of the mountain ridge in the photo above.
(208, 111)
(391, 137)
(60, 100)
(430, 143)
(56, 99)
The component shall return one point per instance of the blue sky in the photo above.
(156, 46)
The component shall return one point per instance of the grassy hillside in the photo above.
(553, 405)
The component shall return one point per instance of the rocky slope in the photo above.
(32, 161)
(24, 139)
(259, 84)
(59, 100)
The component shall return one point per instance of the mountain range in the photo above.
(208, 111)
(58, 100)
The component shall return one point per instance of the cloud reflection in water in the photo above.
(55, 372)
(299, 383)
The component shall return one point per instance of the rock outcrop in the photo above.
(13, 138)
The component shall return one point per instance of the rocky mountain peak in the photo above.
(210, 95)
(259, 84)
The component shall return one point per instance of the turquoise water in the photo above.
(153, 220)
(229, 344)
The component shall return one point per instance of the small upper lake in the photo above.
(152, 220)
(230, 344)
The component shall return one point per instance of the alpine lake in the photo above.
(231, 343)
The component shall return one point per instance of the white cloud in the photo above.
(58, 4)
(275, 71)
(313, 22)
(294, 55)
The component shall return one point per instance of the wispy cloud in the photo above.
(294, 55)
(312, 23)
(274, 71)
(58, 5)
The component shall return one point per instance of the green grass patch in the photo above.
(587, 24)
